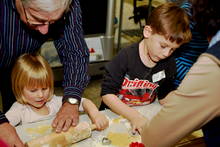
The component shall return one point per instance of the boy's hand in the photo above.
(163, 101)
(137, 123)
(100, 120)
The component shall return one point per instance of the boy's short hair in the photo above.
(170, 21)
(31, 70)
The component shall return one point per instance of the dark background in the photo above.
(94, 15)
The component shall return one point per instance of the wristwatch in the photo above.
(71, 100)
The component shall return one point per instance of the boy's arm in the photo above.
(89, 107)
(116, 105)
(170, 73)
(98, 118)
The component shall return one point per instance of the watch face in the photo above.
(73, 101)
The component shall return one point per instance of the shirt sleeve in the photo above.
(193, 104)
(14, 114)
(3, 119)
(2, 115)
(115, 71)
(55, 103)
(0, 41)
(73, 53)
(81, 109)
(168, 84)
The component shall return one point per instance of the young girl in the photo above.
(33, 87)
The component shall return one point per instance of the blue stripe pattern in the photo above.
(188, 53)
(16, 39)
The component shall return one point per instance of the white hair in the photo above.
(47, 5)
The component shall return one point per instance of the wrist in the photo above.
(71, 107)
(133, 115)
(93, 112)
(71, 100)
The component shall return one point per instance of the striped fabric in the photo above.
(16, 39)
(188, 53)
(3, 118)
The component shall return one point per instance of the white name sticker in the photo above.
(158, 76)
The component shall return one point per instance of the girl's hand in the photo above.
(137, 123)
(100, 120)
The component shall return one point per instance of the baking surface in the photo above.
(119, 130)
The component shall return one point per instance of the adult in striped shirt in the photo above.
(24, 26)
(188, 53)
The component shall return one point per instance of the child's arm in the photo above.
(163, 101)
(98, 118)
(115, 104)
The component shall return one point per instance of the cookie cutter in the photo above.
(106, 141)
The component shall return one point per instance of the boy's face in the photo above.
(36, 97)
(158, 47)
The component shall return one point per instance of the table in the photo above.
(119, 130)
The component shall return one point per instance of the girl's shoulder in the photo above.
(55, 102)
(55, 99)
(18, 107)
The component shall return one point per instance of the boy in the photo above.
(144, 71)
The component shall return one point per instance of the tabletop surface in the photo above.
(119, 130)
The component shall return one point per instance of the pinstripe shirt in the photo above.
(188, 53)
(16, 38)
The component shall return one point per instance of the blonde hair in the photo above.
(170, 21)
(31, 71)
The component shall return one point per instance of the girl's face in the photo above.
(36, 97)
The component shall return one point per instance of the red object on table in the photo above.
(92, 50)
(3, 144)
(136, 144)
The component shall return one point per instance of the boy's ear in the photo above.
(147, 31)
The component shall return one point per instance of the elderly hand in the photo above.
(66, 117)
(9, 135)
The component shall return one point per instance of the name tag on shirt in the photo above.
(158, 76)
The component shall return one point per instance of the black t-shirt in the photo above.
(133, 82)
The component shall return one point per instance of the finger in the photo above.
(60, 125)
(67, 124)
(75, 121)
(54, 123)
(133, 131)
(139, 130)
(102, 125)
(18, 144)
(99, 127)
(106, 125)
